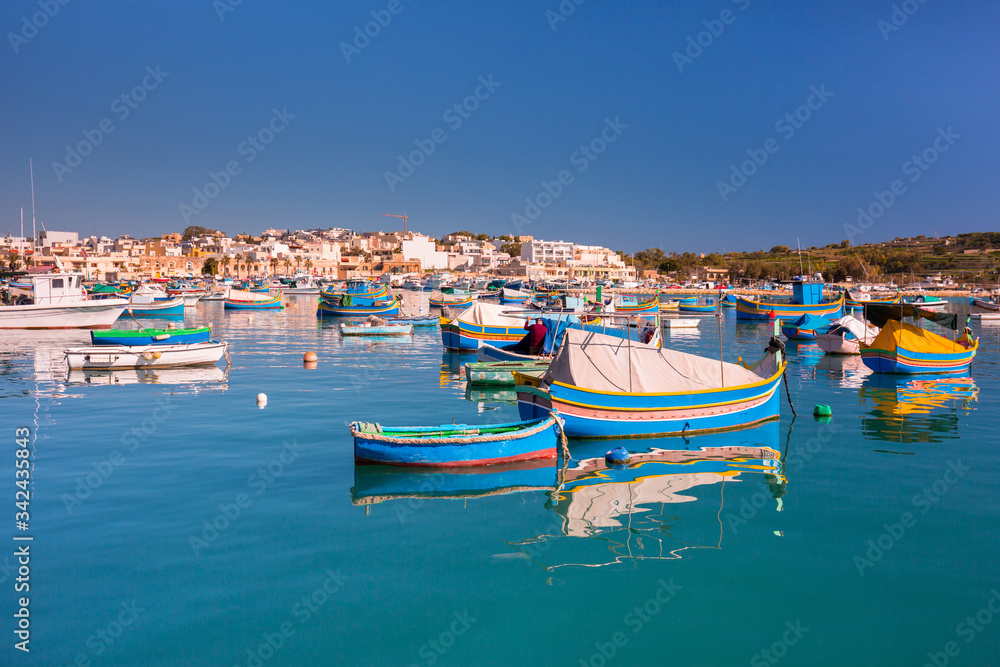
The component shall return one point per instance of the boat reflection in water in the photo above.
(377, 483)
(844, 370)
(488, 394)
(909, 409)
(195, 375)
(675, 494)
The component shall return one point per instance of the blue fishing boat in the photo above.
(684, 308)
(357, 306)
(806, 300)
(905, 348)
(603, 387)
(806, 327)
(151, 336)
(168, 308)
(481, 322)
(454, 445)
(252, 301)
(513, 296)
(374, 329)
(358, 289)
(451, 303)
(415, 320)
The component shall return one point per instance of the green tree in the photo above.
(780, 250)
(210, 267)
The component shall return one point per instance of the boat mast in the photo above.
(34, 237)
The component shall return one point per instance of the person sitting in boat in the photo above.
(965, 340)
(533, 341)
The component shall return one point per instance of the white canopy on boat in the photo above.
(862, 331)
(490, 314)
(242, 295)
(605, 363)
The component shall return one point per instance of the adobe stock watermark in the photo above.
(303, 611)
(105, 637)
(581, 159)
(696, 44)
(432, 651)
(223, 7)
(779, 649)
(901, 13)
(31, 25)
(89, 482)
(929, 497)
(565, 9)
(635, 621)
(915, 167)
(786, 126)
(122, 107)
(454, 116)
(257, 483)
(970, 628)
(381, 18)
(249, 149)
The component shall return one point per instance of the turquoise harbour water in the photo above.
(312, 562)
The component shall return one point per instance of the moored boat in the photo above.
(904, 348)
(480, 323)
(805, 327)
(58, 301)
(806, 300)
(846, 335)
(451, 303)
(151, 336)
(240, 300)
(168, 308)
(147, 356)
(603, 387)
(454, 445)
(680, 322)
(924, 301)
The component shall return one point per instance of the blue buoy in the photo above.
(617, 456)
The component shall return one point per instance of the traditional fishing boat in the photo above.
(241, 300)
(453, 445)
(502, 372)
(508, 296)
(696, 309)
(479, 323)
(348, 305)
(147, 356)
(669, 306)
(729, 301)
(371, 329)
(138, 337)
(805, 327)
(58, 301)
(904, 348)
(451, 303)
(846, 335)
(630, 304)
(359, 289)
(806, 300)
(152, 301)
(607, 387)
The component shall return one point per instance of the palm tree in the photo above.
(226, 261)
(309, 265)
(239, 263)
(298, 261)
(274, 265)
(288, 264)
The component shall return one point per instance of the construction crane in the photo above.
(396, 215)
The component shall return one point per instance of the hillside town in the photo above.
(334, 254)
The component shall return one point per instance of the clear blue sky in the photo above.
(675, 136)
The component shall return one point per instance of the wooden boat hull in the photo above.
(696, 309)
(901, 358)
(798, 333)
(680, 323)
(461, 445)
(417, 320)
(443, 303)
(988, 305)
(834, 344)
(157, 308)
(270, 304)
(373, 330)
(166, 356)
(94, 314)
(753, 310)
(462, 336)
(591, 414)
(650, 307)
(327, 309)
(130, 337)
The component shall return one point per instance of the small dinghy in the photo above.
(501, 372)
(146, 356)
(375, 326)
(454, 445)
(151, 336)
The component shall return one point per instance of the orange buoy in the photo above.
(310, 358)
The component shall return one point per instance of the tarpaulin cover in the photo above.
(879, 314)
(810, 322)
(605, 363)
(490, 315)
(914, 339)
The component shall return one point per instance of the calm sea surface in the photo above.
(176, 523)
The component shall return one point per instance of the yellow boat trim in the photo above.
(678, 393)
